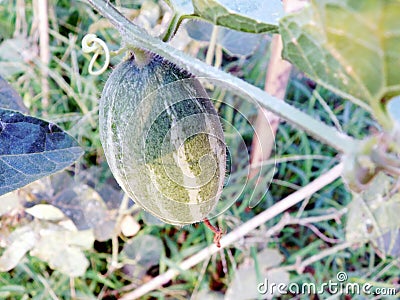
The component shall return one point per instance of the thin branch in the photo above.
(138, 37)
(239, 232)
(287, 219)
(321, 235)
(301, 264)
(335, 215)
(321, 255)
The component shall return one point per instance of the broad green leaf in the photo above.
(9, 202)
(350, 47)
(140, 253)
(110, 192)
(45, 212)
(236, 43)
(9, 98)
(58, 182)
(85, 207)
(389, 243)
(373, 216)
(13, 49)
(257, 16)
(181, 7)
(81, 205)
(246, 284)
(62, 250)
(13, 56)
(20, 242)
(112, 197)
(30, 149)
(9, 68)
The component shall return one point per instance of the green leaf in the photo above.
(85, 207)
(68, 198)
(45, 212)
(9, 98)
(62, 250)
(13, 49)
(9, 202)
(31, 148)
(350, 47)
(373, 216)
(257, 16)
(389, 243)
(19, 242)
(13, 56)
(140, 253)
(246, 284)
(236, 43)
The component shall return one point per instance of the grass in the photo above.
(74, 105)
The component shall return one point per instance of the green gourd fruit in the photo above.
(163, 139)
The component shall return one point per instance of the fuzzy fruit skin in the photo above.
(163, 140)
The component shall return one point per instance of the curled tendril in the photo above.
(91, 43)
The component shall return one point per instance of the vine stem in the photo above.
(300, 265)
(239, 232)
(138, 37)
(217, 232)
(173, 27)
